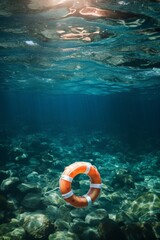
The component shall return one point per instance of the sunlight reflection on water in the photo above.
(84, 44)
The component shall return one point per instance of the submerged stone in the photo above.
(145, 206)
(110, 230)
(17, 234)
(94, 217)
(6, 228)
(9, 184)
(61, 235)
(123, 179)
(156, 229)
(24, 188)
(4, 175)
(37, 225)
(3, 202)
(53, 198)
(78, 213)
(137, 231)
(90, 233)
(61, 225)
(32, 200)
(33, 177)
(115, 197)
(79, 226)
(53, 213)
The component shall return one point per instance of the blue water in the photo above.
(44, 51)
(79, 81)
(134, 117)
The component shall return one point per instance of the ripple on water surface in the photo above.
(79, 47)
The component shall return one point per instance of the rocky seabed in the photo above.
(31, 206)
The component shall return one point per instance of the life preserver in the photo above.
(66, 179)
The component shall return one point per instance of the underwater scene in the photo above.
(79, 120)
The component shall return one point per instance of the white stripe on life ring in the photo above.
(67, 195)
(88, 166)
(94, 185)
(89, 200)
(67, 178)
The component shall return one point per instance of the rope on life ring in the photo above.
(67, 177)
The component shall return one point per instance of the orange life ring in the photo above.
(66, 179)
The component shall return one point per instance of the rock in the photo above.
(145, 207)
(115, 197)
(9, 184)
(53, 213)
(122, 179)
(25, 188)
(64, 212)
(3, 202)
(61, 225)
(78, 213)
(62, 235)
(7, 228)
(18, 154)
(33, 162)
(149, 230)
(32, 200)
(89, 234)
(37, 225)
(7, 208)
(33, 177)
(17, 234)
(12, 204)
(94, 217)
(108, 229)
(22, 157)
(53, 198)
(156, 229)
(81, 185)
(138, 232)
(48, 158)
(2, 215)
(4, 175)
(78, 226)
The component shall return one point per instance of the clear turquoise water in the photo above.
(79, 88)
(45, 52)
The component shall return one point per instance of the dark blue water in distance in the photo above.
(131, 115)
(79, 82)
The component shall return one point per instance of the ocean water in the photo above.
(79, 82)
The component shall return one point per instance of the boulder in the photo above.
(37, 225)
